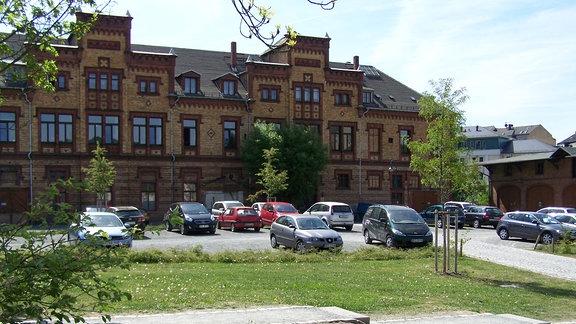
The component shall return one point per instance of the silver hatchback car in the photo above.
(334, 214)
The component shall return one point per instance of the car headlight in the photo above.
(397, 232)
(429, 233)
(188, 218)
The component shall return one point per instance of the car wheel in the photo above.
(389, 241)
(476, 223)
(326, 222)
(212, 231)
(273, 241)
(183, 229)
(439, 223)
(256, 229)
(219, 225)
(349, 227)
(547, 238)
(300, 246)
(503, 234)
(367, 238)
(232, 227)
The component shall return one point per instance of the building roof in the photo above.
(560, 152)
(570, 140)
(526, 147)
(473, 132)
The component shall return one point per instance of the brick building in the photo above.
(173, 121)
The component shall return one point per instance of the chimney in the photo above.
(234, 56)
(356, 62)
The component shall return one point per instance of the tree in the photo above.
(100, 175)
(271, 180)
(43, 276)
(438, 159)
(254, 17)
(300, 152)
(39, 23)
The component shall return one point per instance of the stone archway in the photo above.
(539, 196)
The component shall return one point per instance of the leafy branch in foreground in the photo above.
(43, 276)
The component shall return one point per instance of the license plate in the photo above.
(248, 224)
(417, 240)
(343, 216)
(330, 246)
(203, 226)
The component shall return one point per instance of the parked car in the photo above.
(190, 217)
(462, 204)
(239, 218)
(566, 218)
(552, 211)
(395, 226)
(334, 214)
(428, 215)
(531, 225)
(258, 206)
(102, 228)
(219, 206)
(130, 215)
(271, 210)
(476, 216)
(303, 232)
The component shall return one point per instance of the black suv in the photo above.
(190, 217)
(477, 216)
(130, 216)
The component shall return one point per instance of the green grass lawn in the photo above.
(370, 281)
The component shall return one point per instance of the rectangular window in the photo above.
(190, 132)
(229, 88)
(367, 97)
(343, 181)
(103, 130)
(103, 81)
(152, 87)
(341, 138)
(298, 94)
(341, 99)
(307, 94)
(155, 129)
(404, 139)
(92, 81)
(189, 192)
(230, 135)
(115, 82)
(148, 196)
(269, 94)
(374, 140)
(48, 128)
(139, 130)
(398, 198)
(374, 181)
(65, 129)
(315, 95)
(190, 85)
(61, 82)
(396, 181)
(143, 86)
(7, 127)
(540, 168)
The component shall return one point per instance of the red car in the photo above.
(271, 210)
(239, 218)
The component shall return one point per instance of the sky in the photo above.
(515, 58)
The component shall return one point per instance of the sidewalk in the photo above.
(307, 315)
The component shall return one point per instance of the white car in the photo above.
(334, 214)
(220, 206)
(102, 228)
(553, 211)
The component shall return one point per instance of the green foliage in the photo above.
(300, 152)
(100, 174)
(438, 158)
(40, 23)
(272, 180)
(43, 276)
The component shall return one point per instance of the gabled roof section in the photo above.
(561, 152)
(473, 132)
(569, 140)
(564, 152)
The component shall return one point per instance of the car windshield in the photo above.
(285, 209)
(545, 219)
(191, 209)
(103, 221)
(571, 210)
(405, 217)
(234, 204)
(311, 223)
(128, 213)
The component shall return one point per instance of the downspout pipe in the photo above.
(30, 164)
(172, 155)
